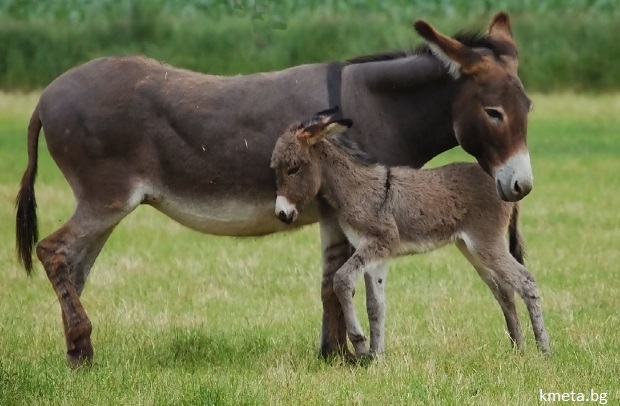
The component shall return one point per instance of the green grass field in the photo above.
(184, 318)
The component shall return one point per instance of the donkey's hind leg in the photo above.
(67, 256)
(375, 279)
(503, 293)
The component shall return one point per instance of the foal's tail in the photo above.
(26, 228)
(515, 241)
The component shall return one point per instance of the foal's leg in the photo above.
(336, 250)
(375, 279)
(503, 292)
(344, 284)
(67, 256)
(524, 283)
(497, 258)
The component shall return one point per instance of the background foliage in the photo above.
(565, 45)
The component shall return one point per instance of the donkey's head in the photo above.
(298, 176)
(490, 111)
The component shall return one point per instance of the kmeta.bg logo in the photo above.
(572, 396)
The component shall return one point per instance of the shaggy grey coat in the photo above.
(389, 211)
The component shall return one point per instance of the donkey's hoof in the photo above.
(80, 358)
(328, 352)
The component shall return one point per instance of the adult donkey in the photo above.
(128, 131)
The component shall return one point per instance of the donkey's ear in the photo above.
(500, 28)
(456, 56)
(337, 127)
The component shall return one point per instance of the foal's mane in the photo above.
(471, 39)
(350, 147)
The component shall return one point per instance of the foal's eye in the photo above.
(494, 113)
(293, 171)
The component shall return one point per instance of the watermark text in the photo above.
(573, 396)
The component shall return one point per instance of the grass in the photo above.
(563, 44)
(183, 318)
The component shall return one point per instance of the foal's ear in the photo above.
(456, 56)
(337, 127)
(311, 134)
(316, 133)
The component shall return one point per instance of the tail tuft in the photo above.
(26, 228)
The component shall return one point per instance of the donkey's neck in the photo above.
(413, 98)
(345, 178)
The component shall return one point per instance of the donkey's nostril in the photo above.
(282, 215)
(521, 188)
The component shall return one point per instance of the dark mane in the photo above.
(384, 56)
(344, 143)
(472, 39)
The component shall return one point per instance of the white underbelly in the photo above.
(405, 247)
(228, 216)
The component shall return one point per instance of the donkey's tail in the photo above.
(26, 228)
(515, 242)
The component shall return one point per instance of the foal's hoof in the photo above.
(545, 351)
(80, 358)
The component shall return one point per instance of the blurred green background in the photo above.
(565, 45)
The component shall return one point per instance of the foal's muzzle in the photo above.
(514, 179)
(285, 210)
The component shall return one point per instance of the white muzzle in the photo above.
(285, 210)
(514, 179)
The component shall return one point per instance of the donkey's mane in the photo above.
(384, 56)
(471, 39)
(350, 147)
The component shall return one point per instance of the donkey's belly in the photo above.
(232, 216)
(406, 246)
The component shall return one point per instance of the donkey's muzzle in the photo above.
(285, 210)
(514, 179)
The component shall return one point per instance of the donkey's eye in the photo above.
(494, 113)
(293, 171)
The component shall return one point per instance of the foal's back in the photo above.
(439, 203)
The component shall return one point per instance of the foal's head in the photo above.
(490, 112)
(298, 176)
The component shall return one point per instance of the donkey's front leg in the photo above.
(336, 250)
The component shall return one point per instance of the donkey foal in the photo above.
(390, 211)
